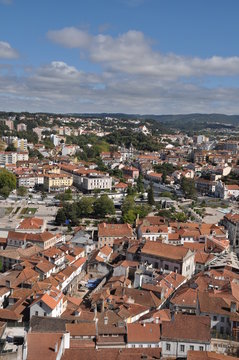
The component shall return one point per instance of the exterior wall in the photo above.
(232, 228)
(15, 243)
(144, 345)
(153, 236)
(44, 310)
(57, 183)
(220, 323)
(175, 348)
(8, 158)
(186, 268)
(160, 263)
(30, 181)
(3, 298)
(92, 183)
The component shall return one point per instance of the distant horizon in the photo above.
(116, 113)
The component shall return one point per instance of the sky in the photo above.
(128, 56)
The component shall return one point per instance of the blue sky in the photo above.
(134, 56)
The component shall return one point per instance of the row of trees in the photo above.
(86, 207)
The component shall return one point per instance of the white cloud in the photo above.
(134, 78)
(132, 53)
(70, 37)
(6, 51)
(59, 87)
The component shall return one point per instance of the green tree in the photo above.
(60, 217)
(132, 190)
(151, 195)
(66, 196)
(129, 216)
(188, 187)
(11, 148)
(140, 184)
(130, 211)
(7, 182)
(128, 204)
(103, 206)
(181, 217)
(85, 206)
(164, 177)
(22, 191)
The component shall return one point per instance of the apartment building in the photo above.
(57, 182)
(93, 182)
(7, 158)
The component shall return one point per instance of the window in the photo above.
(168, 347)
(36, 313)
(214, 318)
(200, 348)
(182, 348)
(222, 319)
(166, 267)
(45, 313)
(191, 347)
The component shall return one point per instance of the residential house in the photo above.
(169, 257)
(184, 333)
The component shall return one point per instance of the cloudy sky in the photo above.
(134, 56)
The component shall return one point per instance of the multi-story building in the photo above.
(224, 191)
(30, 180)
(231, 223)
(107, 233)
(49, 304)
(10, 124)
(93, 182)
(20, 144)
(169, 257)
(8, 157)
(131, 171)
(184, 333)
(57, 182)
(205, 186)
(21, 127)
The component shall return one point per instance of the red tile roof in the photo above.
(187, 327)
(114, 230)
(165, 251)
(143, 333)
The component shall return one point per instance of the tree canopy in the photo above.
(7, 182)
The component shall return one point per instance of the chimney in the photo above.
(156, 320)
(106, 320)
(233, 307)
(56, 347)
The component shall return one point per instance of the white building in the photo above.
(169, 257)
(184, 333)
(224, 191)
(49, 304)
(143, 335)
(93, 182)
(7, 157)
